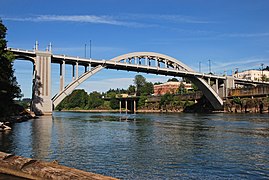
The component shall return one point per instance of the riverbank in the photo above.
(35, 169)
(123, 111)
(6, 122)
(165, 111)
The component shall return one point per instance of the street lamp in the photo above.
(199, 66)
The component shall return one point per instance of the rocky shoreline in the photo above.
(22, 117)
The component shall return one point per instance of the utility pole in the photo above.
(209, 66)
(85, 51)
(50, 47)
(90, 49)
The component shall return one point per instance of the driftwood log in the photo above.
(35, 169)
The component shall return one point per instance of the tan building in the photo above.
(255, 75)
(170, 87)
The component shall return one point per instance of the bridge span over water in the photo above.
(214, 87)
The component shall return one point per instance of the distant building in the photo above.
(170, 87)
(255, 75)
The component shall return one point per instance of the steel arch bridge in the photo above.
(213, 87)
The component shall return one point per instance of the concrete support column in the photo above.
(156, 62)
(126, 106)
(223, 90)
(229, 84)
(41, 97)
(120, 106)
(73, 72)
(33, 85)
(89, 67)
(76, 70)
(62, 75)
(165, 63)
(136, 60)
(208, 81)
(217, 86)
(134, 106)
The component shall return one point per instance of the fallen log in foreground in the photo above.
(35, 169)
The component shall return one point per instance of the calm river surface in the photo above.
(148, 146)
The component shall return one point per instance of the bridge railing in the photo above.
(19, 50)
(255, 91)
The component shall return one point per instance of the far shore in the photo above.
(155, 111)
(122, 111)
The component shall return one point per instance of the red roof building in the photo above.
(170, 87)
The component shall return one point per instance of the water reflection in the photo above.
(145, 146)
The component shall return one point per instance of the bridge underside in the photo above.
(210, 94)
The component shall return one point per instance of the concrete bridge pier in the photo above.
(41, 97)
(62, 76)
(229, 84)
(130, 105)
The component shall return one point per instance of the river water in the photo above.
(148, 146)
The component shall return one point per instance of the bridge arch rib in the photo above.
(144, 60)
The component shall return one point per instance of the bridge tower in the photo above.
(41, 95)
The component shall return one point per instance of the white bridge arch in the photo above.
(148, 62)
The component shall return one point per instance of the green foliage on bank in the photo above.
(80, 100)
(9, 88)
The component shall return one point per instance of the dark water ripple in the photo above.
(148, 146)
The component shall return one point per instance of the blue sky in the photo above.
(231, 33)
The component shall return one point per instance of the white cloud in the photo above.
(246, 35)
(110, 20)
(241, 64)
(172, 18)
(129, 20)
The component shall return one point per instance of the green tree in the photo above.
(264, 78)
(139, 82)
(77, 99)
(157, 83)
(9, 88)
(131, 89)
(142, 101)
(166, 100)
(184, 79)
(114, 103)
(142, 86)
(238, 101)
(147, 89)
(95, 100)
(173, 80)
(182, 89)
(194, 87)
